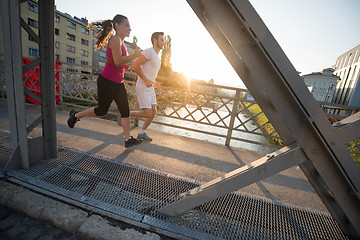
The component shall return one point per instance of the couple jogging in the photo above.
(111, 79)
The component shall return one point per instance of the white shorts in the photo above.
(146, 96)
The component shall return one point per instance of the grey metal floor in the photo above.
(136, 193)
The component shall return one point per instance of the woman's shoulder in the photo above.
(114, 40)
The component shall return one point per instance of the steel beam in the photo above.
(260, 169)
(14, 83)
(283, 96)
(27, 151)
(47, 75)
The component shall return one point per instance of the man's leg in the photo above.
(144, 113)
(150, 118)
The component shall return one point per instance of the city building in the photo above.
(322, 84)
(347, 68)
(99, 56)
(73, 41)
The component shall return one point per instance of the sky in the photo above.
(312, 33)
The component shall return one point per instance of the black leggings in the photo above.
(109, 91)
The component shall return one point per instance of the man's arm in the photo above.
(137, 67)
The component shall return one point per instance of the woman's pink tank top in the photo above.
(110, 71)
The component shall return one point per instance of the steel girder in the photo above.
(317, 146)
(25, 150)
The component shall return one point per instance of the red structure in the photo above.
(31, 81)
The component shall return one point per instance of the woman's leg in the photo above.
(105, 97)
(122, 103)
(86, 113)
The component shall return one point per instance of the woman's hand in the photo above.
(137, 52)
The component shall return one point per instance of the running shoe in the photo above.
(72, 119)
(132, 142)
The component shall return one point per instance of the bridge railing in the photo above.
(224, 112)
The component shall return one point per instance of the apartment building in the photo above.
(347, 68)
(73, 41)
(322, 84)
(99, 57)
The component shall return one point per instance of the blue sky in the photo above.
(312, 33)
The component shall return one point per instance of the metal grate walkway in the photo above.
(136, 193)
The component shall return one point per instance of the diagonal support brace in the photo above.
(262, 168)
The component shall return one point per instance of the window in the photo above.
(344, 63)
(57, 44)
(71, 70)
(57, 18)
(70, 48)
(70, 60)
(328, 98)
(101, 64)
(33, 7)
(348, 64)
(33, 23)
(84, 53)
(57, 31)
(33, 52)
(354, 59)
(57, 57)
(332, 86)
(314, 84)
(320, 97)
(84, 63)
(102, 54)
(84, 42)
(323, 85)
(337, 64)
(70, 37)
(71, 25)
(85, 30)
(341, 63)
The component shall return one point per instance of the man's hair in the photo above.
(155, 35)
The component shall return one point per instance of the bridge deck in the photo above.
(94, 169)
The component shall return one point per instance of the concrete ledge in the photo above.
(65, 216)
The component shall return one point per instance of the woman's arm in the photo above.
(115, 45)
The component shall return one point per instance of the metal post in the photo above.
(47, 75)
(232, 118)
(14, 84)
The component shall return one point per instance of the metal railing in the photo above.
(225, 112)
(220, 111)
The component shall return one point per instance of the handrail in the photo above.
(202, 106)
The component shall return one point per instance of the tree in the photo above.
(135, 40)
(165, 69)
(166, 52)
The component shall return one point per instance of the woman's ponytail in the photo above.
(103, 30)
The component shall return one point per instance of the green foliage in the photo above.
(263, 121)
(353, 146)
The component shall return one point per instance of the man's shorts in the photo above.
(146, 96)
